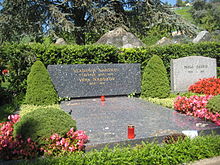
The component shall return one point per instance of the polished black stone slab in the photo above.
(107, 122)
(88, 80)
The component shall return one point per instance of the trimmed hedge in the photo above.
(41, 123)
(149, 153)
(40, 90)
(20, 57)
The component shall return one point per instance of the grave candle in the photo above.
(131, 132)
(102, 98)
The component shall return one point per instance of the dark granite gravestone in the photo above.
(86, 80)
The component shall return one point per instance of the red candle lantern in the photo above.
(131, 134)
(102, 98)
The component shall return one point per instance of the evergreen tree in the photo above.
(84, 18)
(179, 3)
(155, 82)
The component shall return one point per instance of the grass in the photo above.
(184, 12)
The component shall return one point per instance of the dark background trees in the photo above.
(84, 21)
(206, 14)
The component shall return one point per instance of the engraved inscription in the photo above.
(96, 76)
(195, 69)
(89, 80)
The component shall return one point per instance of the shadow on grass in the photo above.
(6, 110)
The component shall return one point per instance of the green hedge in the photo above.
(20, 57)
(149, 153)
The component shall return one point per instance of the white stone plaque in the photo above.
(188, 70)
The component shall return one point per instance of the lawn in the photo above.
(184, 12)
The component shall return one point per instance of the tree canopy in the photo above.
(206, 14)
(84, 18)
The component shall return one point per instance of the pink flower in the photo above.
(29, 140)
(66, 144)
(62, 141)
(72, 148)
(57, 143)
(217, 122)
(55, 137)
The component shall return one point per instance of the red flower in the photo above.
(208, 86)
(5, 71)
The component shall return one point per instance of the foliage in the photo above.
(153, 35)
(19, 59)
(148, 153)
(166, 102)
(173, 138)
(180, 3)
(6, 110)
(155, 82)
(196, 106)
(21, 56)
(83, 19)
(214, 104)
(208, 86)
(184, 12)
(15, 147)
(218, 72)
(42, 123)
(5, 96)
(40, 90)
(24, 109)
(19, 19)
(72, 141)
(19, 148)
(206, 14)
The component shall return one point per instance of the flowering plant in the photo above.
(208, 86)
(72, 141)
(18, 148)
(196, 106)
(5, 71)
(15, 148)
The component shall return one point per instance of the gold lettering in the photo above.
(84, 80)
(108, 70)
(103, 78)
(84, 70)
(87, 74)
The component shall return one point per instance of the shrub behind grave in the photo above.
(42, 123)
(214, 104)
(155, 82)
(40, 90)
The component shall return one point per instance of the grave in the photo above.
(89, 80)
(106, 122)
(188, 70)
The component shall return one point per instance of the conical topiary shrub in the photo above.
(155, 82)
(40, 90)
